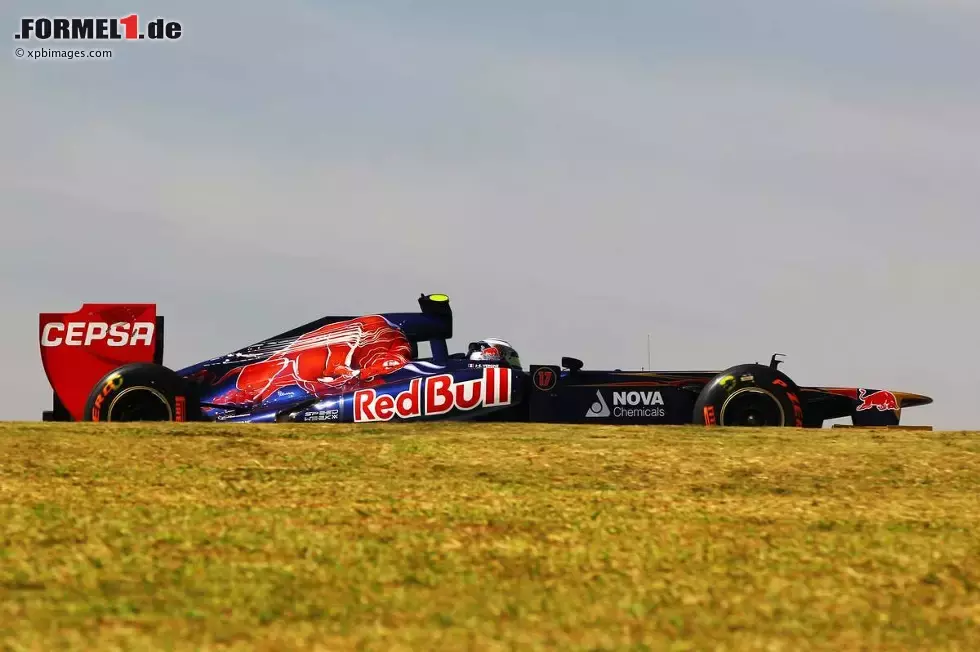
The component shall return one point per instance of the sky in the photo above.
(732, 178)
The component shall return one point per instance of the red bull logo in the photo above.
(436, 395)
(882, 400)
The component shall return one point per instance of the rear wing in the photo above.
(78, 349)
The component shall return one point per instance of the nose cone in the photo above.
(907, 399)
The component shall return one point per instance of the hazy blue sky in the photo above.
(735, 178)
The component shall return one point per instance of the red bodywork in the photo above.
(334, 358)
(79, 348)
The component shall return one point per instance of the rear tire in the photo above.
(752, 396)
(139, 392)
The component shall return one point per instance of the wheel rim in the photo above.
(139, 404)
(752, 407)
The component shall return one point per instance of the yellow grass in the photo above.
(455, 536)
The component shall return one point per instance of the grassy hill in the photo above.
(455, 536)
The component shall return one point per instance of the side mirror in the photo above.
(572, 364)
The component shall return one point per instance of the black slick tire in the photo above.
(749, 395)
(139, 392)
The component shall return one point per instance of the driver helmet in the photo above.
(493, 350)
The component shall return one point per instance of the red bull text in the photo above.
(436, 395)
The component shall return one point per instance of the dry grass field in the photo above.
(486, 537)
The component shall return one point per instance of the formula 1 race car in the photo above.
(105, 363)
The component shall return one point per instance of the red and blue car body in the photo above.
(368, 368)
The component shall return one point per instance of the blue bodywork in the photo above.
(219, 377)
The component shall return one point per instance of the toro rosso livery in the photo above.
(105, 363)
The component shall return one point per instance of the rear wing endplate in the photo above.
(59, 412)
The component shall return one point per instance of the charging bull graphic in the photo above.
(332, 359)
(882, 400)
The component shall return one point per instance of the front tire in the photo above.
(139, 392)
(749, 395)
